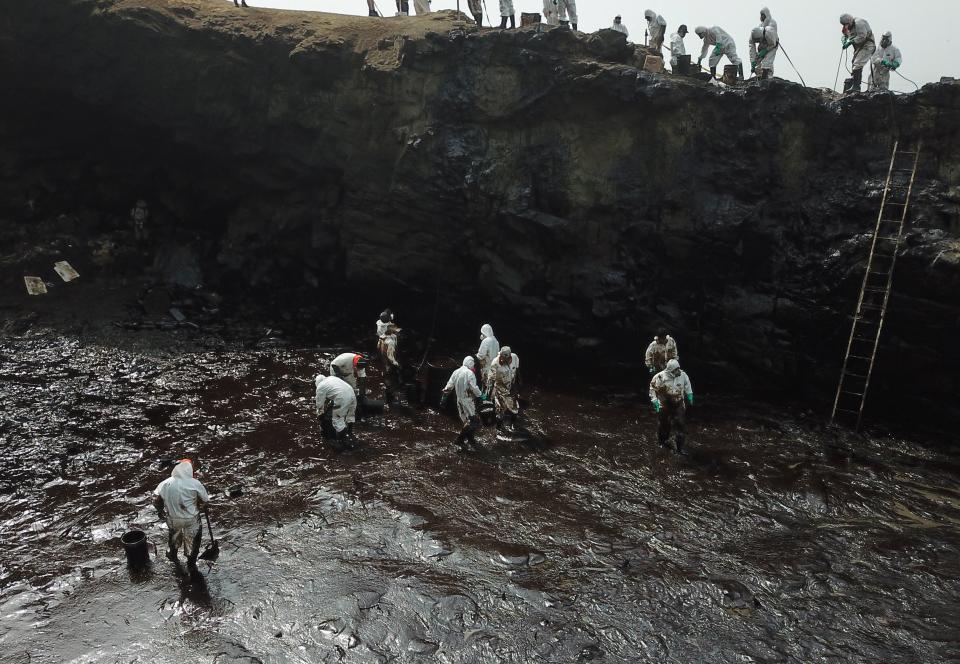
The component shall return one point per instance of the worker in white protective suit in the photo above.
(723, 45)
(551, 12)
(463, 383)
(337, 408)
(767, 20)
(506, 11)
(387, 341)
(670, 392)
(677, 47)
(656, 28)
(351, 368)
(486, 353)
(619, 26)
(661, 350)
(763, 50)
(504, 382)
(421, 7)
(476, 8)
(567, 11)
(857, 33)
(179, 500)
(886, 59)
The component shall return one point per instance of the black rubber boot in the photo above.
(478, 19)
(680, 449)
(574, 27)
(713, 72)
(172, 554)
(855, 81)
(513, 21)
(740, 71)
(503, 22)
(373, 12)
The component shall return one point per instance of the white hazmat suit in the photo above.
(658, 354)
(567, 9)
(464, 384)
(677, 48)
(721, 41)
(487, 353)
(344, 366)
(620, 27)
(506, 8)
(421, 6)
(336, 394)
(656, 27)
(551, 13)
(503, 372)
(182, 494)
(861, 38)
(885, 59)
(763, 50)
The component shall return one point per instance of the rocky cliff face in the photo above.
(539, 176)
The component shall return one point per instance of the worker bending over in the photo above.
(662, 349)
(337, 408)
(886, 59)
(178, 500)
(463, 383)
(857, 33)
(670, 392)
(723, 45)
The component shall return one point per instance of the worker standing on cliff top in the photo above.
(887, 58)
(670, 392)
(387, 341)
(242, 3)
(504, 382)
(656, 28)
(677, 47)
(619, 27)
(722, 43)
(762, 51)
(506, 11)
(463, 382)
(660, 351)
(178, 500)
(421, 7)
(337, 408)
(372, 8)
(857, 33)
(567, 10)
(476, 8)
(403, 8)
(486, 354)
(551, 13)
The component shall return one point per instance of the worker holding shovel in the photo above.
(178, 500)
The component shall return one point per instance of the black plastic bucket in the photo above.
(135, 546)
(682, 67)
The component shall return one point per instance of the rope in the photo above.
(906, 79)
(487, 13)
(839, 63)
(780, 46)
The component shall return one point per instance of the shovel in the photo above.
(213, 549)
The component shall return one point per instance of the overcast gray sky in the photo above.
(809, 29)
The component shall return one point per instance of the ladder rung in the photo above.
(858, 357)
(875, 290)
(885, 274)
(856, 394)
(875, 307)
(899, 152)
(849, 373)
(878, 255)
(891, 221)
(894, 238)
(844, 410)
(868, 340)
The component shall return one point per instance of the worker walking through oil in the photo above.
(887, 58)
(463, 383)
(661, 350)
(670, 392)
(857, 33)
(387, 341)
(179, 500)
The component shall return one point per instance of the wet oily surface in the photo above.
(772, 542)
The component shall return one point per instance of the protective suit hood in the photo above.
(468, 361)
(700, 30)
(757, 33)
(672, 365)
(506, 351)
(766, 12)
(183, 470)
(650, 15)
(846, 19)
(486, 330)
(318, 380)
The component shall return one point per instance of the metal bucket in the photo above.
(730, 74)
(529, 18)
(135, 546)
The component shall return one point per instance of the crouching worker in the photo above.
(337, 408)
(463, 382)
(505, 381)
(670, 392)
(352, 369)
(178, 500)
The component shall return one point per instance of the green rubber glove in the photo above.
(763, 53)
(847, 44)
(656, 405)
(650, 369)
(717, 50)
(484, 396)
(894, 65)
(690, 398)
(885, 63)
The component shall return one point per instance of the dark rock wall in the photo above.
(542, 179)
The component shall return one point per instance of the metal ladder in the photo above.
(875, 292)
